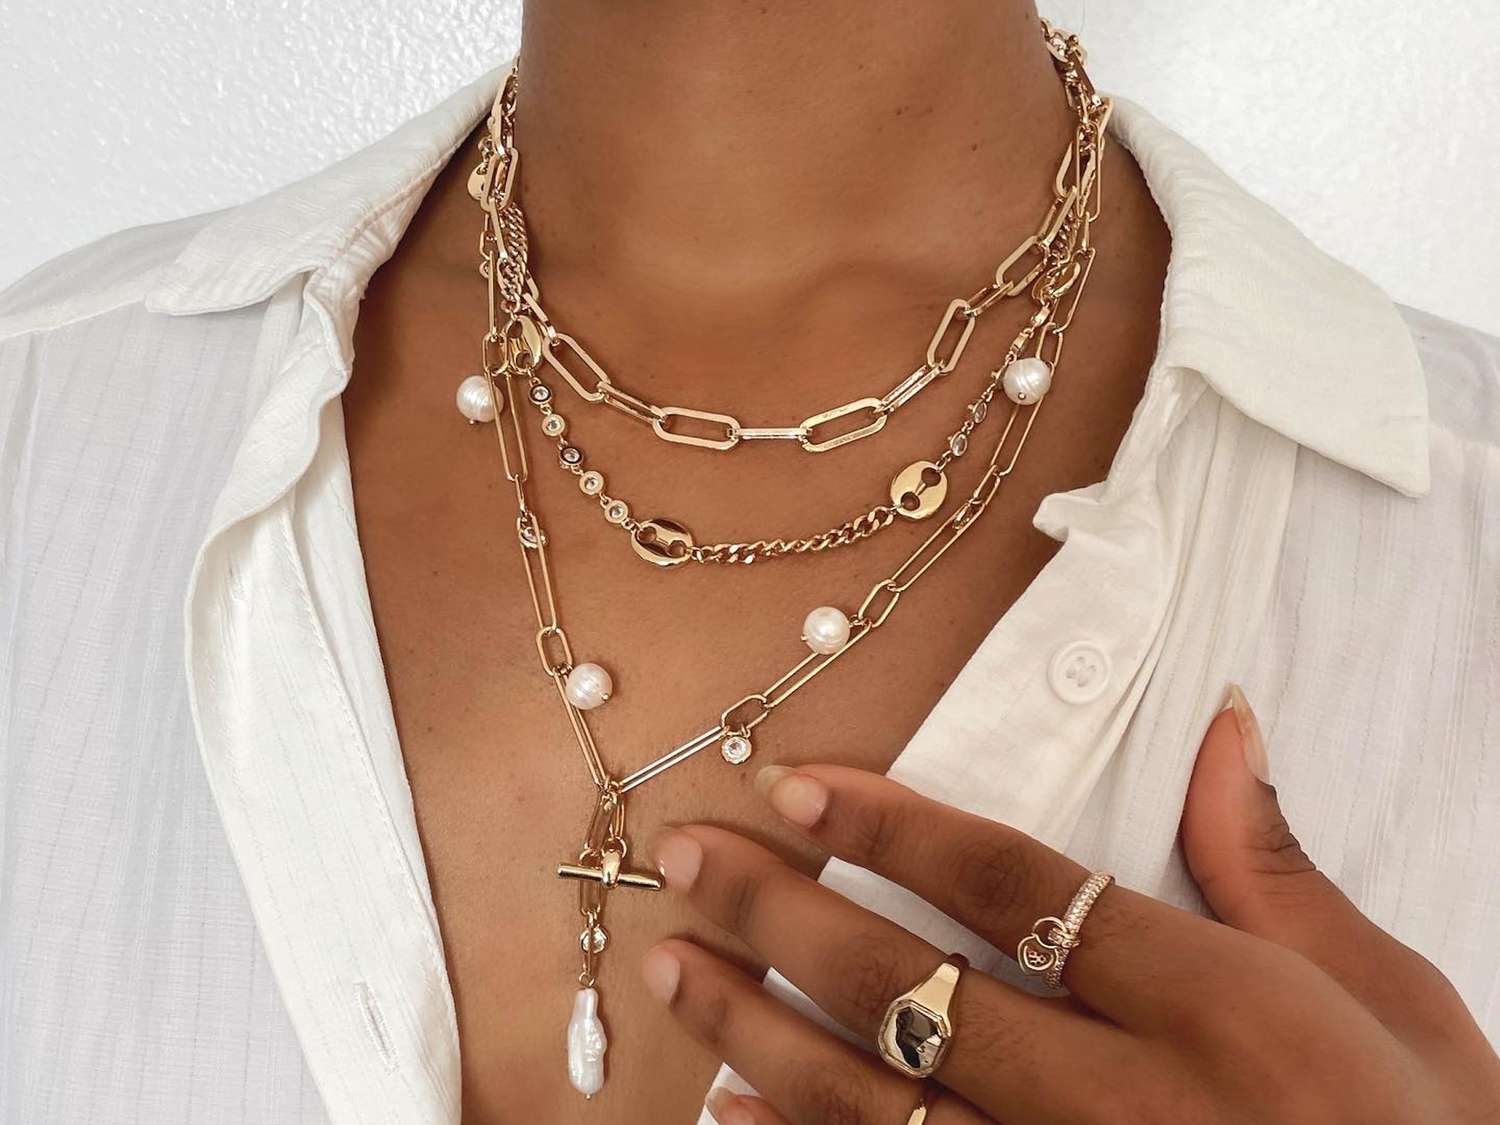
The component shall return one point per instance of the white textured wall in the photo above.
(1374, 123)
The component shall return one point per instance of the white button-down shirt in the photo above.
(213, 900)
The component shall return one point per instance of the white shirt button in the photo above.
(1079, 672)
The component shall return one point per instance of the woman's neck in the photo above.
(693, 158)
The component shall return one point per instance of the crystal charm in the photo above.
(919, 1037)
(541, 393)
(554, 424)
(586, 1044)
(570, 455)
(958, 444)
(735, 749)
(593, 939)
(617, 512)
(530, 531)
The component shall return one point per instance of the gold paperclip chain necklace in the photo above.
(510, 355)
(724, 431)
(1046, 263)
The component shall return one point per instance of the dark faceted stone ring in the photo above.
(916, 1030)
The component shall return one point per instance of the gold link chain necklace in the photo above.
(519, 341)
(1045, 264)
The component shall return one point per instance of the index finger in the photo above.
(1139, 959)
(852, 963)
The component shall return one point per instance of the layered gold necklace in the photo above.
(524, 354)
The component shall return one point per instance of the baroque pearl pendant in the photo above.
(1027, 380)
(586, 1044)
(826, 630)
(587, 686)
(474, 401)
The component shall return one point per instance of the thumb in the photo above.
(1239, 847)
(1257, 878)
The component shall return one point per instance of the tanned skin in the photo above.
(755, 208)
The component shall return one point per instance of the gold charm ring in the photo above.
(917, 1028)
(1044, 951)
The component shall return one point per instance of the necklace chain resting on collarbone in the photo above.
(519, 340)
(1046, 264)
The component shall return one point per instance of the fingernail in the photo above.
(797, 797)
(1251, 741)
(661, 971)
(678, 858)
(727, 1108)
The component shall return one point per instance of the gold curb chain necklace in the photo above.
(522, 346)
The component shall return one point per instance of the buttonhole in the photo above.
(375, 1023)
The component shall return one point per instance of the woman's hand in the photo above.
(1293, 1008)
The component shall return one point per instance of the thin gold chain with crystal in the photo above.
(906, 501)
(507, 362)
(1062, 254)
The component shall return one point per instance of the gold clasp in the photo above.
(608, 874)
(524, 342)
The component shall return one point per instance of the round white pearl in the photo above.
(826, 630)
(474, 401)
(588, 686)
(1027, 380)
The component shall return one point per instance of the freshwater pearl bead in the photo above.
(588, 686)
(826, 630)
(1027, 380)
(474, 400)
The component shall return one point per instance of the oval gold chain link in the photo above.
(1013, 276)
(1051, 263)
(511, 291)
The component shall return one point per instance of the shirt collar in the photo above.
(1293, 338)
(247, 252)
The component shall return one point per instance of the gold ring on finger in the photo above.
(918, 1028)
(1044, 951)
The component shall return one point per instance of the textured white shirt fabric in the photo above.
(213, 900)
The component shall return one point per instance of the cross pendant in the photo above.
(609, 874)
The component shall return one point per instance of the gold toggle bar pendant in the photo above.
(599, 875)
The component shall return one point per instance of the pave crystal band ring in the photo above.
(1044, 951)
(917, 1028)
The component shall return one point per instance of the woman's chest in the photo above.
(501, 788)
(502, 791)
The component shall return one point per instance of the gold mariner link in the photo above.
(512, 348)
(1048, 263)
